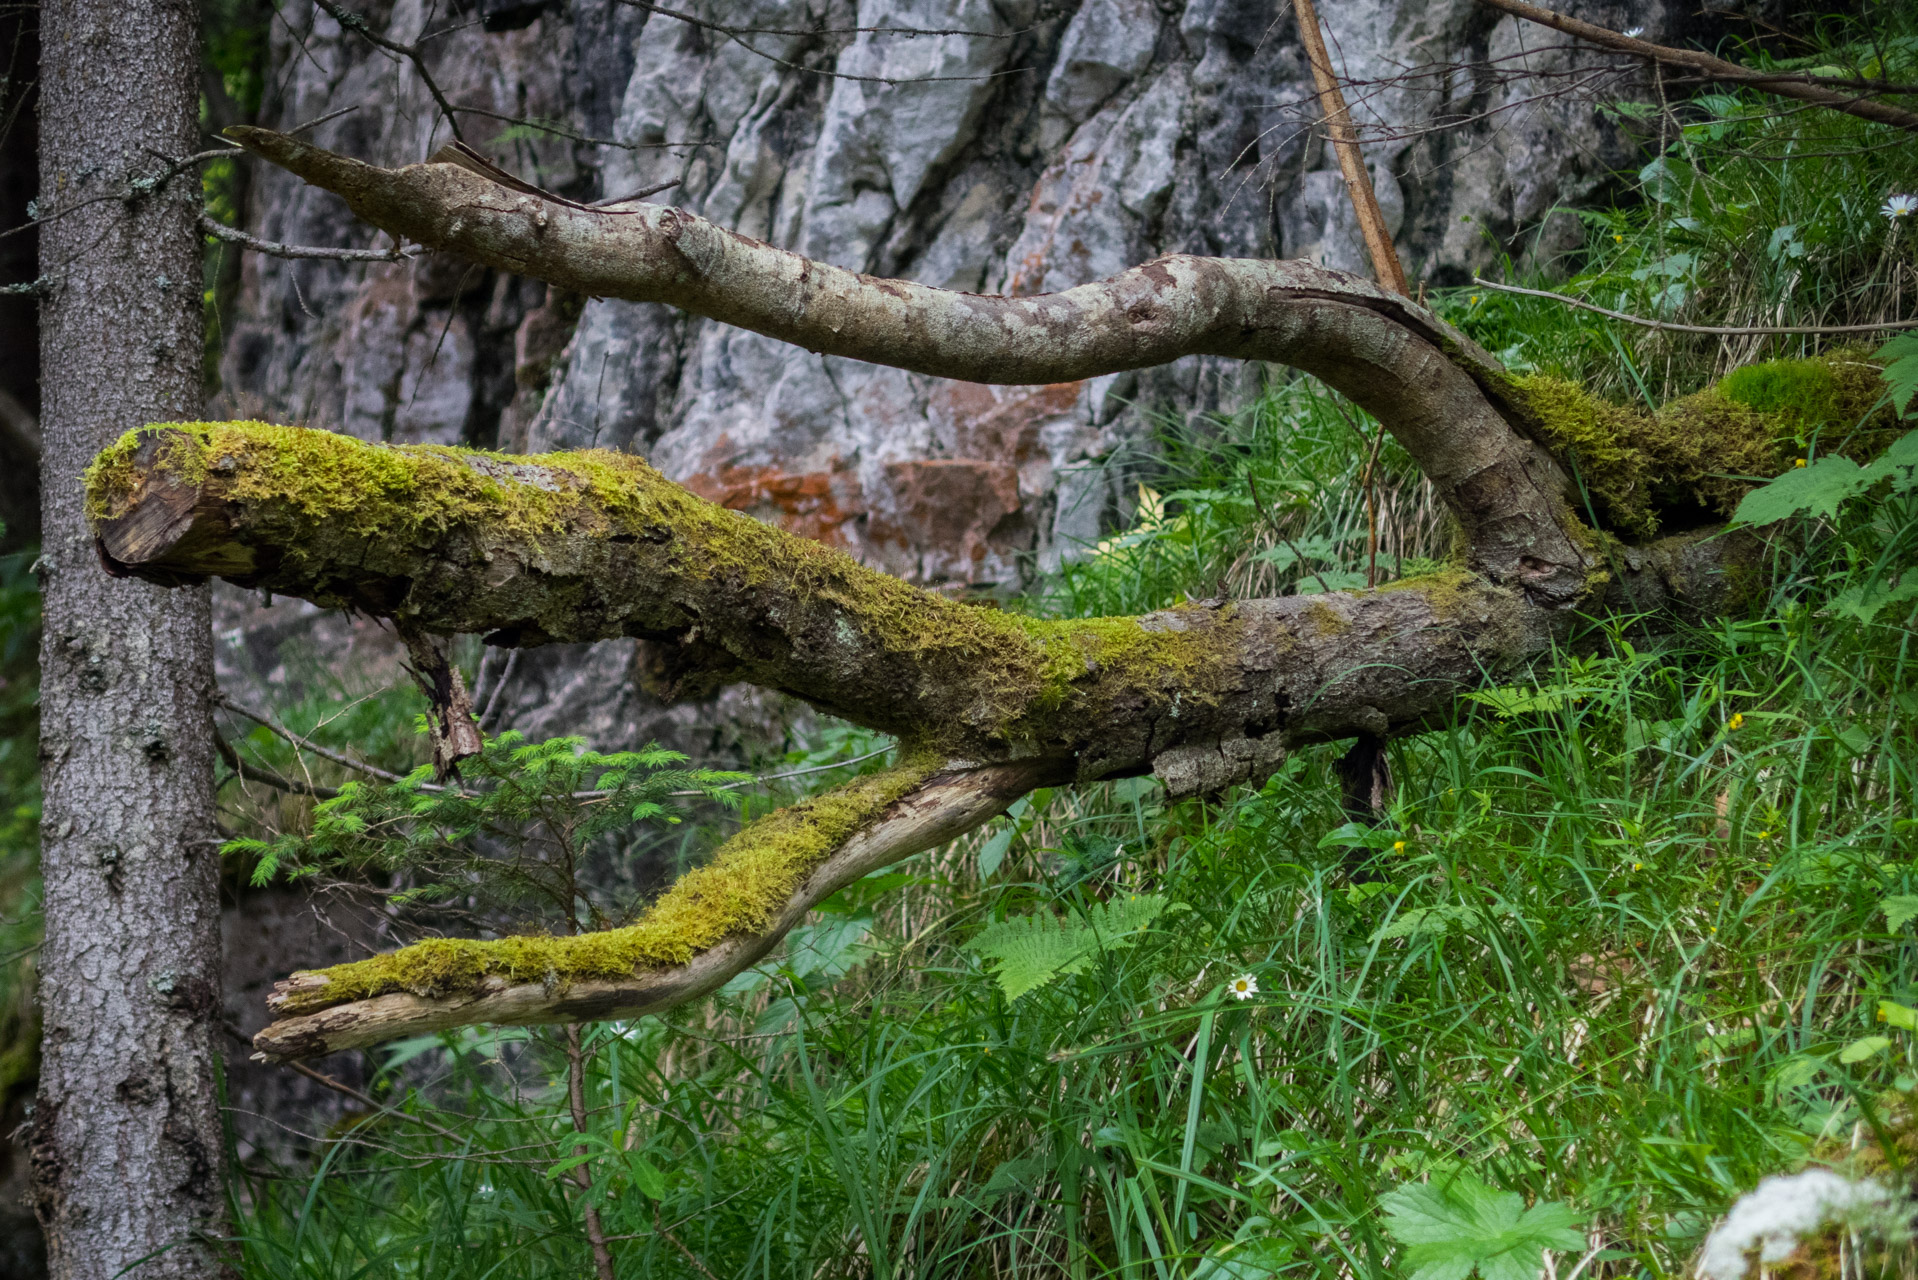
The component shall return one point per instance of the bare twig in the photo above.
(660, 1228)
(233, 235)
(1725, 330)
(341, 1087)
(1804, 88)
(278, 781)
(734, 34)
(411, 52)
(305, 744)
(729, 30)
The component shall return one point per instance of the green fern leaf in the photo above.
(1901, 370)
(1026, 952)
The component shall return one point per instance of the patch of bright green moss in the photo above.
(739, 893)
(1697, 453)
(1446, 588)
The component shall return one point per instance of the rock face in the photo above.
(1019, 146)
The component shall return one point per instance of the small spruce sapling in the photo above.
(512, 835)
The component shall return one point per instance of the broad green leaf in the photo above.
(1818, 489)
(1898, 1015)
(993, 853)
(1898, 464)
(647, 1176)
(1867, 1047)
(1457, 1224)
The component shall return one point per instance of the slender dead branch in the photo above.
(1444, 398)
(233, 235)
(945, 806)
(357, 23)
(1731, 331)
(1786, 85)
(268, 777)
(1345, 142)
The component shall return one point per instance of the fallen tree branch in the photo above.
(1447, 401)
(987, 704)
(1785, 85)
(1730, 331)
(942, 807)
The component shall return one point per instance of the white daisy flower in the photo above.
(1634, 33)
(1243, 987)
(1896, 207)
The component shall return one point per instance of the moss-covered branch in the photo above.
(715, 922)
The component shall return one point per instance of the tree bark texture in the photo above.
(572, 547)
(126, 1137)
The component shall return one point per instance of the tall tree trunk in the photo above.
(126, 1141)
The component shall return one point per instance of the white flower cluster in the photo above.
(1776, 1214)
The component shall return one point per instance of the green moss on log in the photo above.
(740, 893)
(1700, 454)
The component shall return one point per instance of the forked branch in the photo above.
(989, 704)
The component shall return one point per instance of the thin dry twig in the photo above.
(355, 22)
(278, 781)
(233, 235)
(1358, 183)
(1804, 88)
(1724, 330)
(734, 34)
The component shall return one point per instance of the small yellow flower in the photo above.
(1737, 721)
(1475, 299)
(1799, 463)
(1618, 239)
(1398, 846)
(1638, 866)
(1714, 928)
(1764, 835)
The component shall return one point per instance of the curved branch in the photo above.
(941, 808)
(1447, 401)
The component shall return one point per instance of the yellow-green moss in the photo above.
(1324, 620)
(1446, 589)
(1697, 453)
(740, 892)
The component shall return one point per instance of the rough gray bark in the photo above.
(126, 1145)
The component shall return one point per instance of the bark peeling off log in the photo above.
(1447, 401)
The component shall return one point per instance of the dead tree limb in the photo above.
(1794, 85)
(987, 704)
